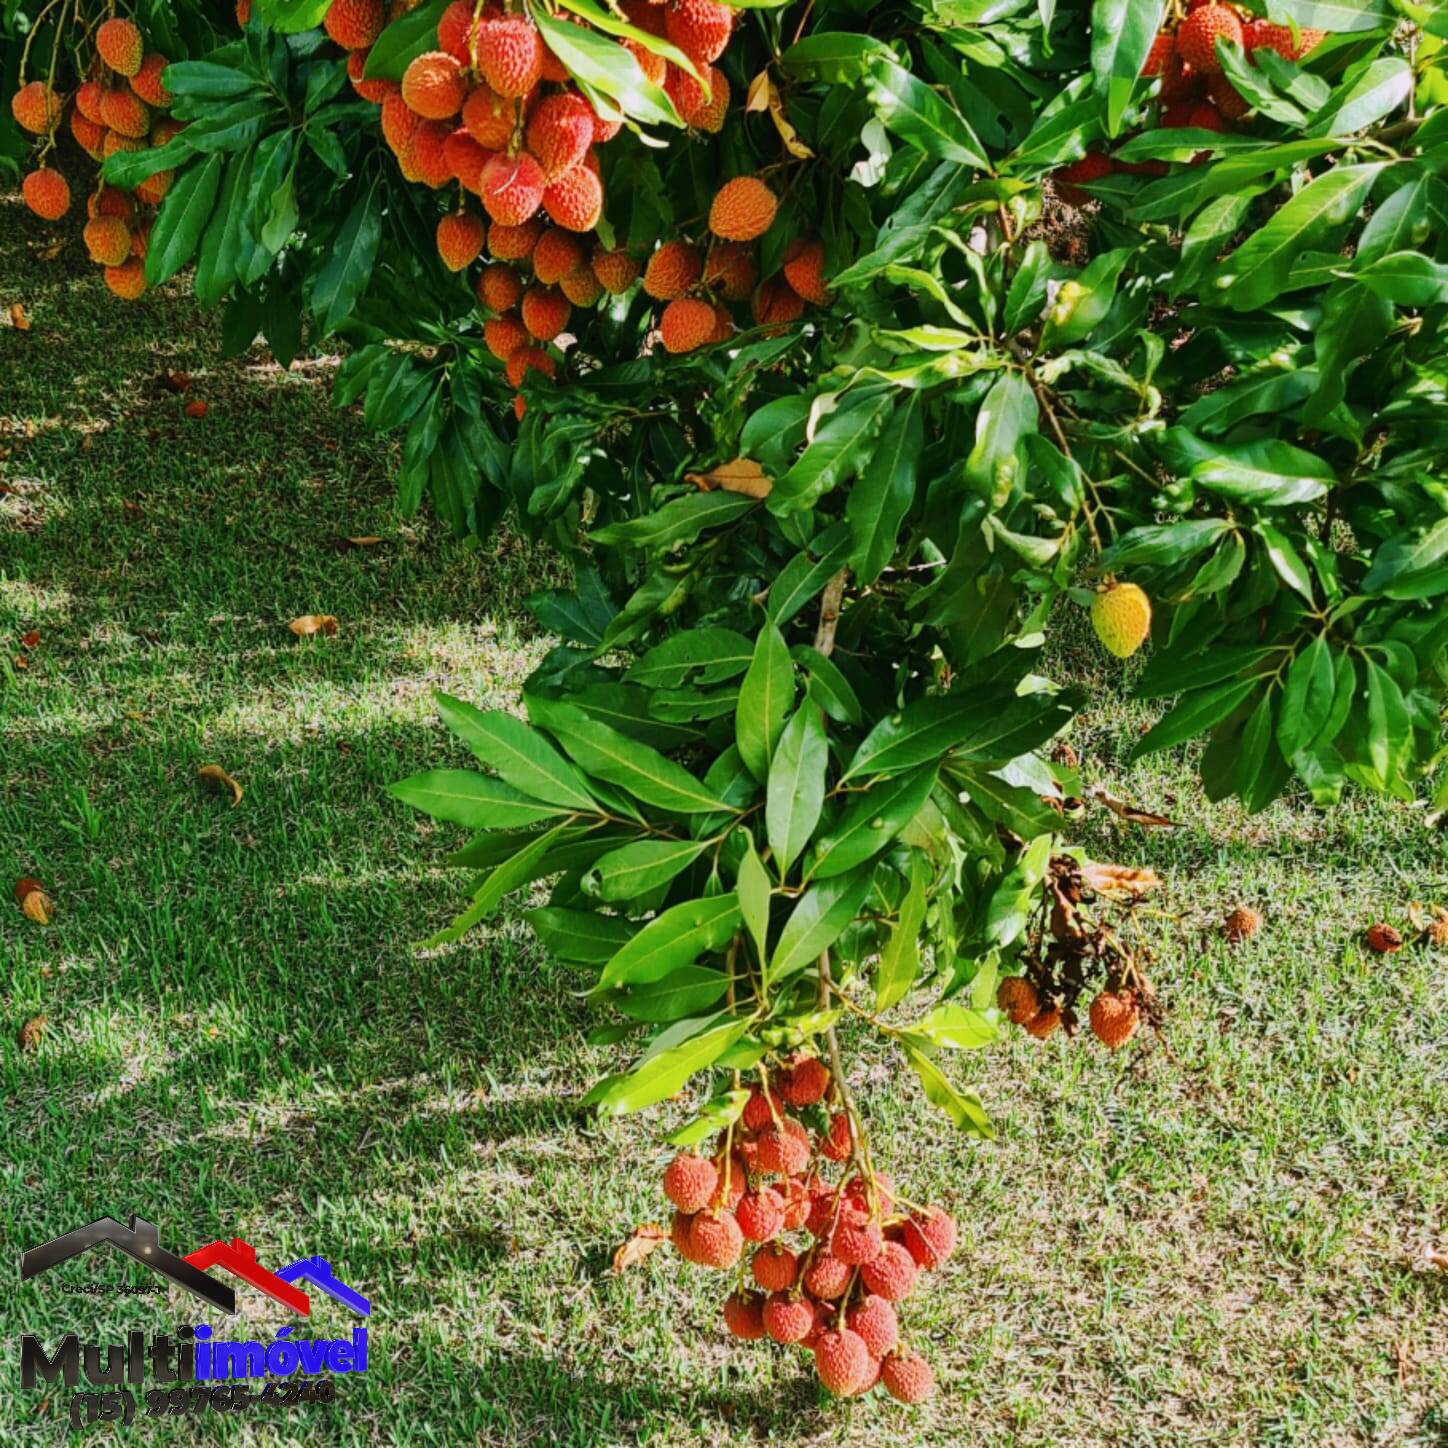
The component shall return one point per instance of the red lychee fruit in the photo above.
(744, 1314)
(37, 108)
(516, 369)
(679, 1227)
(465, 158)
(88, 98)
(836, 1145)
(459, 27)
(796, 1203)
(581, 287)
(686, 325)
(1163, 48)
(1114, 1018)
(399, 123)
(110, 201)
(1205, 117)
(788, 1319)
(1229, 102)
(892, 1274)
(730, 269)
(505, 335)
(842, 1361)
(716, 1239)
(557, 253)
(140, 239)
(702, 106)
(434, 86)
(856, 1243)
(426, 158)
(1091, 167)
(354, 24)
(875, 1321)
(118, 43)
(127, 281)
(490, 118)
(775, 305)
(738, 1176)
(1263, 34)
(783, 1149)
(1045, 1022)
(514, 243)
(147, 81)
(374, 90)
(460, 237)
(761, 1109)
(700, 28)
(671, 271)
(510, 55)
(1197, 36)
(827, 1277)
(575, 200)
(654, 67)
(805, 1081)
(723, 328)
(1382, 939)
(907, 1377)
(108, 240)
(499, 289)
(743, 209)
(46, 193)
(545, 312)
(804, 271)
(560, 131)
(90, 137)
(760, 1214)
(115, 141)
(1018, 998)
(930, 1239)
(689, 1180)
(125, 113)
(151, 191)
(775, 1267)
(511, 188)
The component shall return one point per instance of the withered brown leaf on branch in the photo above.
(743, 475)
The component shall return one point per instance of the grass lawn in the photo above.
(240, 1039)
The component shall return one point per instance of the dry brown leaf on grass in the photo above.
(365, 542)
(1438, 1257)
(34, 903)
(313, 623)
(218, 779)
(1129, 812)
(31, 1032)
(743, 475)
(645, 1241)
(1118, 882)
(18, 317)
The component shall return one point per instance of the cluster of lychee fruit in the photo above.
(819, 1265)
(1042, 1007)
(1194, 91)
(120, 106)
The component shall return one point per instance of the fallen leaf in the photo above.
(313, 623)
(219, 779)
(30, 640)
(1129, 812)
(21, 662)
(645, 1240)
(131, 506)
(35, 904)
(1118, 882)
(18, 318)
(743, 475)
(31, 1032)
(49, 253)
(1438, 1257)
(365, 542)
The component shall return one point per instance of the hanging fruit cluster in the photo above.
(120, 106)
(819, 1264)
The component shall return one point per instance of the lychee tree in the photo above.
(840, 346)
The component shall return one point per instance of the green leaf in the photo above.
(828, 687)
(403, 41)
(216, 262)
(1335, 15)
(816, 922)
(1285, 559)
(872, 820)
(600, 19)
(521, 755)
(1267, 474)
(579, 935)
(1121, 35)
(1377, 92)
(958, 1027)
(465, 798)
(512, 874)
(1307, 697)
(664, 1075)
(1408, 559)
(635, 870)
(963, 1107)
(290, 16)
(1389, 727)
(832, 56)
(1197, 712)
(754, 897)
(1018, 893)
(837, 451)
(679, 936)
(606, 66)
(348, 267)
(1007, 413)
(765, 699)
(1163, 544)
(796, 788)
(1408, 278)
(1097, 286)
(176, 232)
(919, 116)
(716, 653)
(681, 993)
(900, 958)
(678, 521)
(718, 1114)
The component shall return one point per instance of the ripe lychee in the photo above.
(654, 67)
(127, 281)
(115, 141)
(88, 101)
(842, 1361)
(671, 271)
(354, 24)
(1197, 36)
(907, 1377)
(581, 287)
(1163, 48)
(875, 1321)
(1018, 998)
(805, 1081)
(499, 289)
(836, 1144)
(426, 158)
(503, 336)
(434, 86)
(743, 209)
(514, 243)
(545, 312)
(510, 55)
(775, 305)
(140, 239)
(856, 1243)
(458, 28)
(557, 253)
(1121, 616)
(399, 123)
(517, 367)
(37, 107)
(110, 201)
(827, 1277)
(892, 1274)
(1263, 34)
(702, 106)
(125, 112)
(760, 1214)
(511, 188)
(460, 236)
(930, 1239)
(1228, 101)
(575, 200)
(716, 1239)
(775, 1267)
(118, 43)
(730, 269)
(165, 128)
(108, 240)
(490, 118)
(90, 137)
(689, 1180)
(1091, 167)
(1242, 924)
(465, 158)
(147, 81)
(153, 189)
(679, 1229)
(788, 1319)
(723, 328)
(1045, 1022)
(1382, 939)
(1114, 1018)
(700, 28)
(616, 270)
(560, 131)
(804, 271)
(783, 1149)
(744, 1314)
(685, 325)
(46, 193)
(796, 1203)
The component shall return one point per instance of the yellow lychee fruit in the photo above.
(1121, 616)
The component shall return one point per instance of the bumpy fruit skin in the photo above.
(1091, 167)
(153, 189)
(88, 101)
(1163, 49)
(399, 123)
(856, 1243)
(776, 304)
(836, 1143)
(460, 236)
(1121, 616)
(700, 28)
(686, 325)
(560, 131)
(842, 1361)
(1114, 1018)
(1197, 35)
(46, 193)
(90, 137)
(110, 201)
(679, 1229)
(671, 271)
(907, 1377)
(760, 1214)
(465, 158)
(702, 106)
(1382, 939)
(37, 107)
(510, 55)
(875, 1321)
(354, 24)
(147, 81)
(458, 29)
(500, 288)
(1018, 998)
(743, 209)
(1044, 1023)
(775, 1267)
(1242, 924)
(1263, 34)
(127, 281)
(575, 200)
(118, 43)
(511, 188)
(729, 269)
(434, 86)
(108, 240)
(1227, 100)
(581, 287)
(827, 1277)
(489, 117)
(788, 1320)
(125, 113)
(744, 1315)
(516, 369)
(514, 243)
(806, 1081)
(545, 312)
(426, 159)
(503, 336)
(558, 252)
(654, 67)
(892, 1274)
(115, 141)
(930, 1239)
(716, 1239)
(140, 239)
(783, 1149)
(804, 271)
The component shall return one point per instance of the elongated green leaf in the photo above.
(963, 1107)
(681, 993)
(828, 687)
(872, 821)
(754, 896)
(1336, 15)
(1121, 36)
(816, 922)
(523, 868)
(521, 755)
(606, 66)
(1269, 474)
(716, 654)
(831, 55)
(1017, 893)
(796, 788)
(920, 117)
(835, 454)
(465, 798)
(1164, 543)
(958, 1027)
(677, 937)
(1307, 696)
(601, 19)
(1376, 93)
(176, 232)
(678, 521)
(900, 959)
(348, 268)
(1194, 715)
(216, 261)
(636, 869)
(765, 699)
(403, 41)
(718, 1114)
(579, 935)
(664, 1075)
